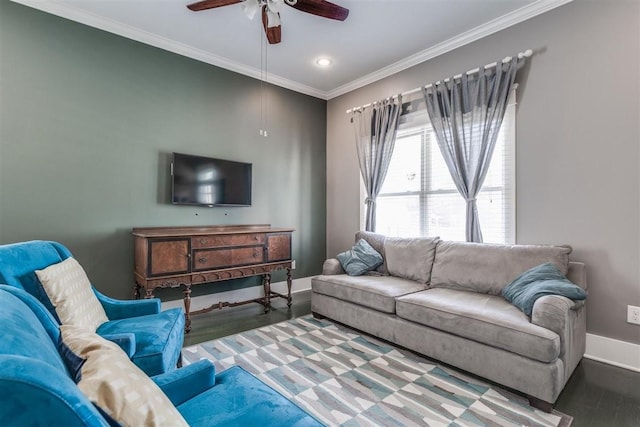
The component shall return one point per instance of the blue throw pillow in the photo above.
(360, 259)
(544, 279)
(71, 360)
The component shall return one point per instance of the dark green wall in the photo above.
(87, 122)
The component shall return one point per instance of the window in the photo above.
(419, 198)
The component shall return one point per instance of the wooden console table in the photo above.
(171, 257)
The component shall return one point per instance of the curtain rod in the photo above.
(527, 53)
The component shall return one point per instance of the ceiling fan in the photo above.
(271, 11)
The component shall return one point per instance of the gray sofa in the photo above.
(443, 299)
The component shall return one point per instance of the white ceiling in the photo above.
(379, 38)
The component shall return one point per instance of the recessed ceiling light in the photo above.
(323, 62)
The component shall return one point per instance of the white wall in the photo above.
(578, 135)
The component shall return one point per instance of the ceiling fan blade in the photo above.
(210, 4)
(321, 8)
(274, 34)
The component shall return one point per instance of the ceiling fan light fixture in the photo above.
(273, 19)
(250, 8)
(323, 62)
(274, 5)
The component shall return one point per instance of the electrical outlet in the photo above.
(633, 314)
(293, 267)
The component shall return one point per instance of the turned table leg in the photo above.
(266, 283)
(289, 287)
(136, 291)
(187, 308)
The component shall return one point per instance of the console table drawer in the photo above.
(218, 258)
(201, 242)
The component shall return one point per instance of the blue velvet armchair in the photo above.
(37, 389)
(152, 338)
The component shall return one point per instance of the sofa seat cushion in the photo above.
(240, 399)
(483, 318)
(377, 292)
(153, 334)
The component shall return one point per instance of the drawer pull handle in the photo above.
(202, 260)
(203, 241)
(255, 237)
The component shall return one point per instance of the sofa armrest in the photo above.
(332, 267)
(566, 318)
(124, 309)
(187, 382)
(552, 312)
(126, 341)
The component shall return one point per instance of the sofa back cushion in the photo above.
(18, 262)
(410, 258)
(488, 268)
(377, 242)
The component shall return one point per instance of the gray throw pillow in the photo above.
(359, 259)
(544, 279)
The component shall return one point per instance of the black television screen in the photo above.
(206, 181)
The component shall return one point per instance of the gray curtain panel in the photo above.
(376, 128)
(466, 115)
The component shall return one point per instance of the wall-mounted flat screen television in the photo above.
(205, 181)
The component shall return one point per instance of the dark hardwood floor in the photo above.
(597, 395)
(229, 321)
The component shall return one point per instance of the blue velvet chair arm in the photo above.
(35, 393)
(187, 382)
(126, 341)
(124, 309)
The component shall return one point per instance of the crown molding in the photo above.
(118, 28)
(105, 24)
(512, 18)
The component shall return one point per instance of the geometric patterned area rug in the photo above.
(347, 379)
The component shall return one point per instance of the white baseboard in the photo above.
(613, 352)
(204, 301)
(602, 349)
